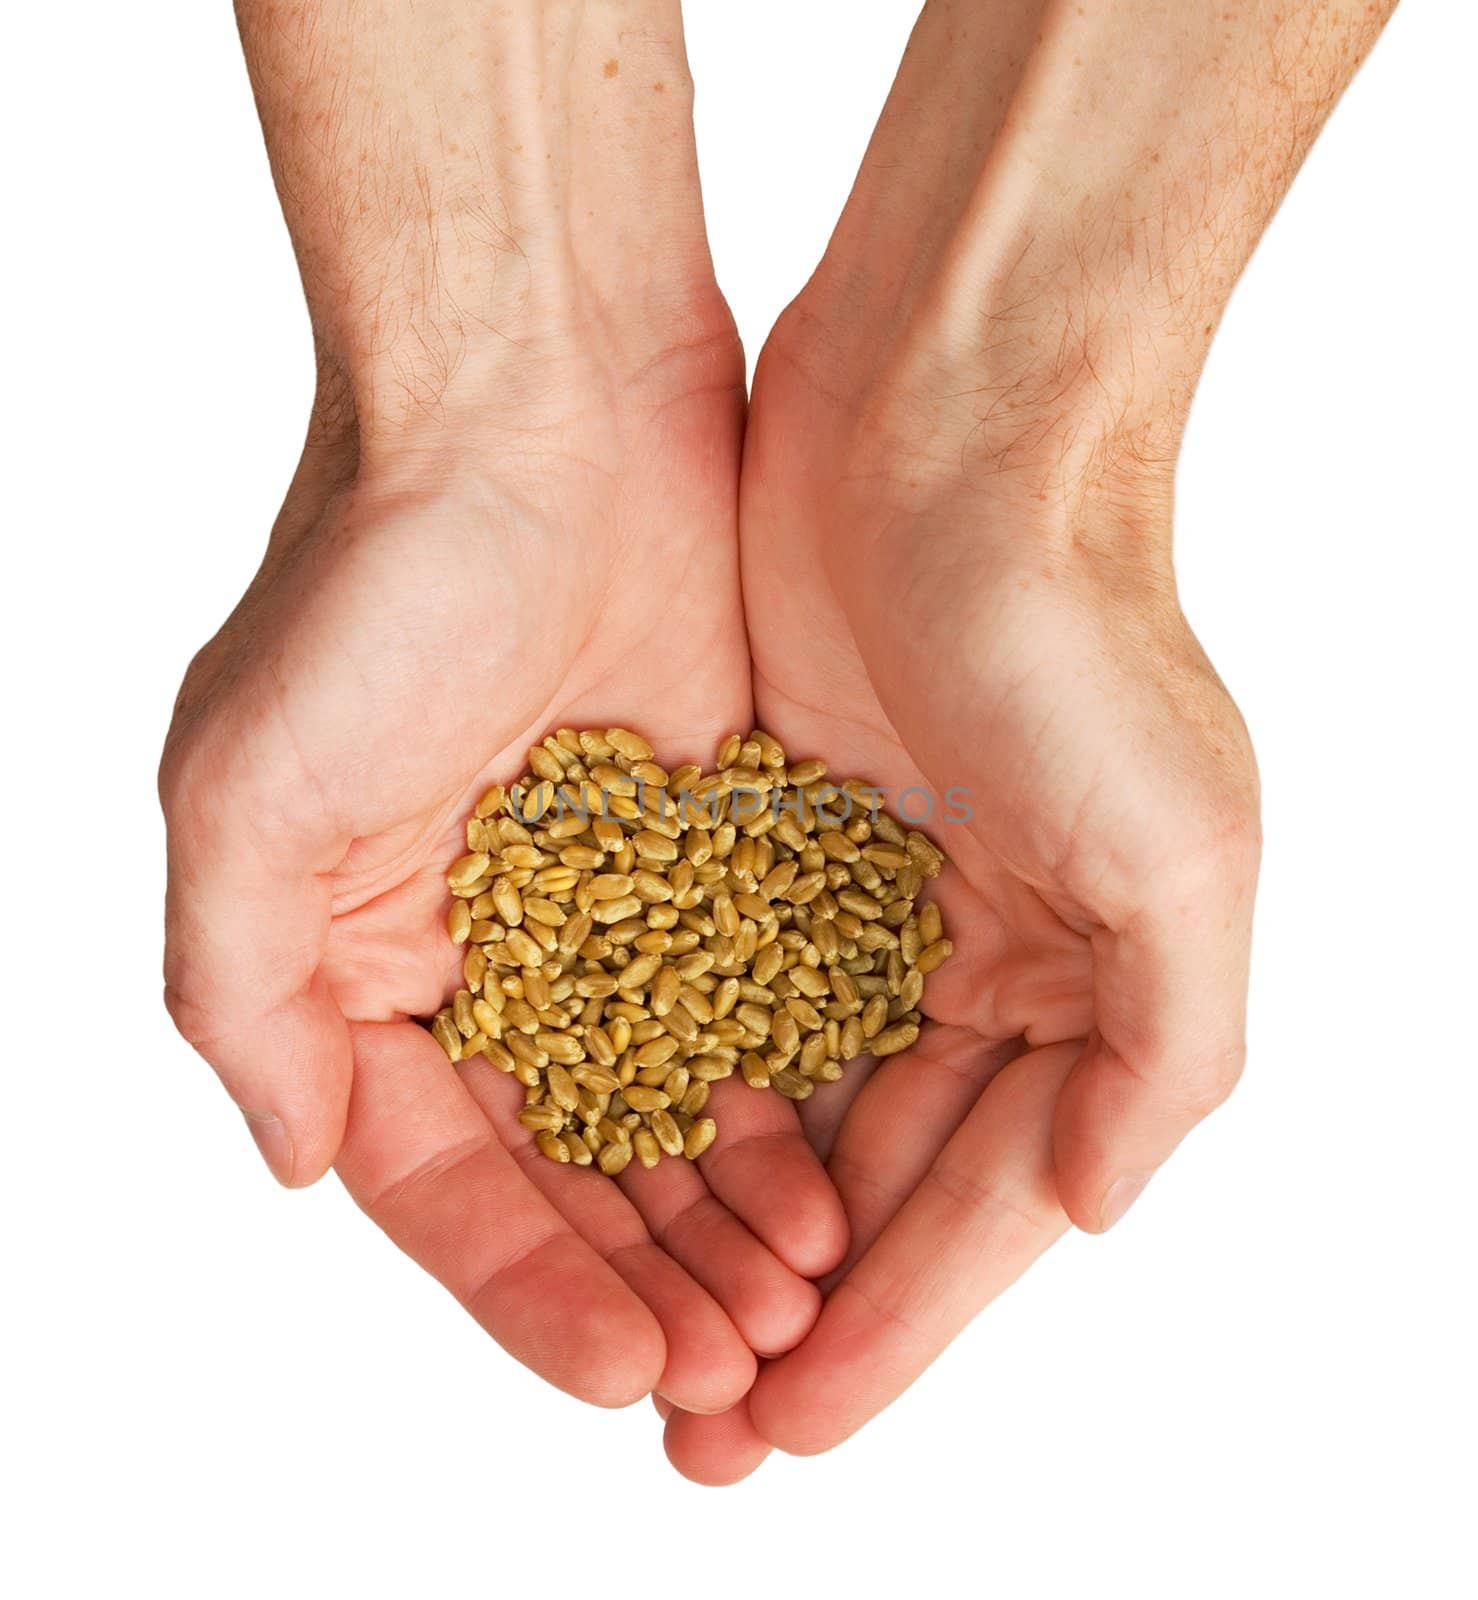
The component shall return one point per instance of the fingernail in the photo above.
(1122, 1193)
(273, 1141)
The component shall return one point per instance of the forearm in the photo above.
(1060, 196)
(465, 184)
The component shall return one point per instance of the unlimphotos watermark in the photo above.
(742, 804)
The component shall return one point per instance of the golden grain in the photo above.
(804, 1013)
(551, 1145)
(474, 967)
(612, 1131)
(933, 956)
(468, 869)
(447, 1035)
(610, 886)
(666, 1132)
(898, 1036)
(523, 949)
(636, 933)
(696, 1098)
(540, 1117)
(538, 909)
(527, 1052)
(630, 745)
(500, 1056)
(665, 988)
(491, 801)
(614, 1158)
(595, 1078)
(641, 1097)
(459, 922)
(809, 981)
(699, 1137)
(755, 1070)
(580, 1155)
(657, 1051)
(609, 911)
(639, 971)
(874, 1015)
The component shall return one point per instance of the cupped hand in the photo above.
(425, 611)
(1020, 681)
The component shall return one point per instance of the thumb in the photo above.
(1170, 987)
(246, 921)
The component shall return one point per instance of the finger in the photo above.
(761, 1166)
(984, 1211)
(770, 1305)
(709, 1366)
(714, 1451)
(246, 919)
(908, 1111)
(822, 1115)
(422, 1160)
(663, 1406)
(1170, 995)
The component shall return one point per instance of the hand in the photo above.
(916, 617)
(417, 622)
(955, 523)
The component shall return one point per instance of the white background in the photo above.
(1261, 1384)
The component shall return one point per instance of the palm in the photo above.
(399, 654)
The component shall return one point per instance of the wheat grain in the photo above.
(635, 933)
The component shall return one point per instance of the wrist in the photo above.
(1057, 202)
(453, 387)
(472, 192)
(1033, 445)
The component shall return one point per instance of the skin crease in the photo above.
(517, 509)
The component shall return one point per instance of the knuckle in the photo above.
(182, 775)
(1218, 848)
(1234, 844)
(194, 1022)
(183, 760)
(1212, 1086)
(1212, 816)
(169, 777)
(176, 773)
